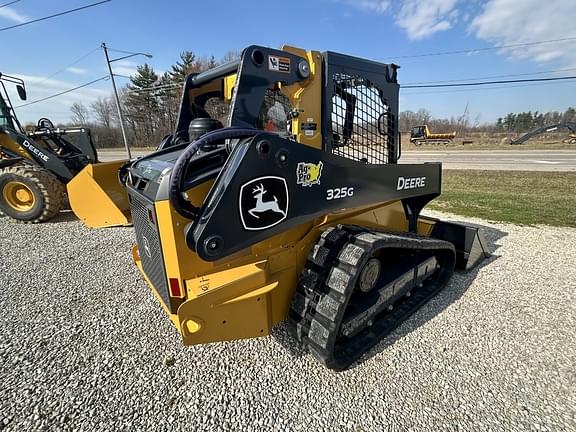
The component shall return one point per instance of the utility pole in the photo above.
(463, 120)
(118, 106)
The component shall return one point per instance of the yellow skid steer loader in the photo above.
(296, 210)
(38, 168)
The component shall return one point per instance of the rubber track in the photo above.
(52, 189)
(329, 279)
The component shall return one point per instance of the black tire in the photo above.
(43, 194)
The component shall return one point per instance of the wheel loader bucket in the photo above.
(97, 198)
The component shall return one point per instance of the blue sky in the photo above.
(376, 29)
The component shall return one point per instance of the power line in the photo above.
(55, 15)
(152, 89)
(9, 3)
(472, 50)
(468, 89)
(492, 76)
(63, 92)
(43, 112)
(71, 64)
(489, 82)
(168, 86)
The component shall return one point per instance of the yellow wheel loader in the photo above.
(296, 210)
(38, 168)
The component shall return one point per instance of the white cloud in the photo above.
(124, 67)
(505, 22)
(422, 19)
(377, 6)
(58, 108)
(12, 15)
(78, 71)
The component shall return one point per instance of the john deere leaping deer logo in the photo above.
(263, 206)
(263, 202)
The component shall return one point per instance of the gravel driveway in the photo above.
(85, 346)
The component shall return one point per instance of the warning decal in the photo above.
(279, 64)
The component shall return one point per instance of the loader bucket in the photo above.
(469, 242)
(97, 198)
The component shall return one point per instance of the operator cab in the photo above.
(417, 132)
(207, 106)
(7, 117)
(284, 92)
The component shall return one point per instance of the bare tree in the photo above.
(231, 55)
(409, 119)
(80, 113)
(103, 110)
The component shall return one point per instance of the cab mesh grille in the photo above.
(362, 122)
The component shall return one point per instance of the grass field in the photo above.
(519, 197)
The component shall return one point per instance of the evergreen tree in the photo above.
(168, 100)
(569, 115)
(183, 67)
(141, 104)
(499, 124)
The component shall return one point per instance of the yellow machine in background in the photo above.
(296, 210)
(38, 169)
(421, 135)
(98, 198)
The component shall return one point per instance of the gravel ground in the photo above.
(85, 346)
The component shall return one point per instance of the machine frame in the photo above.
(226, 225)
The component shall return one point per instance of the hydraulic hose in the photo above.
(178, 176)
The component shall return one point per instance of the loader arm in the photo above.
(345, 183)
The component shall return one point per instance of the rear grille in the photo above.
(149, 246)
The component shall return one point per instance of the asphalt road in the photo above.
(106, 155)
(508, 160)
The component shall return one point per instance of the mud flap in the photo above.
(97, 197)
(469, 242)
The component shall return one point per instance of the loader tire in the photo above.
(30, 194)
